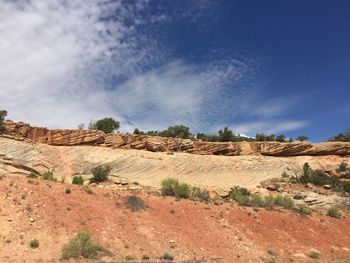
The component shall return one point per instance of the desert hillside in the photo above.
(219, 229)
(33, 208)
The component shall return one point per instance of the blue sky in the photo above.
(254, 66)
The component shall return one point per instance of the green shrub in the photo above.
(3, 114)
(145, 257)
(318, 177)
(284, 201)
(48, 175)
(240, 194)
(68, 191)
(134, 202)
(334, 212)
(167, 256)
(107, 125)
(314, 254)
(32, 175)
(79, 180)
(343, 168)
(202, 195)
(347, 186)
(34, 243)
(303, 209)
(100, 173)
(244, 197)
(129, 258)
(83, 245)
(172, 187)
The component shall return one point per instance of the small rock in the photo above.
(327, 187)
(314, 253)
(309, 185)
(272, 187)
(31, 220)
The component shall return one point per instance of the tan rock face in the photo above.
(149, 168)
(161, 144)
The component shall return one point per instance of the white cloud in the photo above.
(268, 127)
(65, 62)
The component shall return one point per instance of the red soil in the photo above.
(200, 231)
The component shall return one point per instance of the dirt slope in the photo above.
(148, 168)
(228, 232)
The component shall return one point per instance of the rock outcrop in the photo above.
(22, 131)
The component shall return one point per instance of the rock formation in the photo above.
(22, 131)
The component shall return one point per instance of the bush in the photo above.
(334, 212)
(342, 137)
(172, 187)
(303, 209)
(129, 258)
(284, 201)
(347, 187)
(3, 114)
(318, 177)
(343, 168)
(244, 197)
(48, 175)
(134, 202)
(68, 191)
(145, 257)
(302, 138)
(100, 173)
(202, 195)
(107, 125)
(32, 175)
(34, 243)
(83, 245)
(167, 256)
(79, 180)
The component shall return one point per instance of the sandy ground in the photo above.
(224, 233)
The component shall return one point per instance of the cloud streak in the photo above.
(66, 62)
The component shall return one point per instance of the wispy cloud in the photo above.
(66, 62)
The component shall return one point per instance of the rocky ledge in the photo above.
(23, 131)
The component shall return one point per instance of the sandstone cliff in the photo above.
(22, 131)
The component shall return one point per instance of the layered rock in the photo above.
(22, 131)
(53, 137)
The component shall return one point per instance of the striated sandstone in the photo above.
(22, 131)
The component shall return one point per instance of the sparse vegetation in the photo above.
(244, 197)
(107, 125)
(100, 173)
(79, 180)
(145, 257)
(302, 138)
(202, 195)
(344, 169)
(314, 254)
(172, 187)
(129, 258)
(333, 212)
(303, 209)
(342, 137)
(134, 202)
(347, 187)
(167, 256)
(3, 114)
(48, 175)
(32, 175)
(83, 245)
(68, 191)
(318, 177)
(34, 243)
